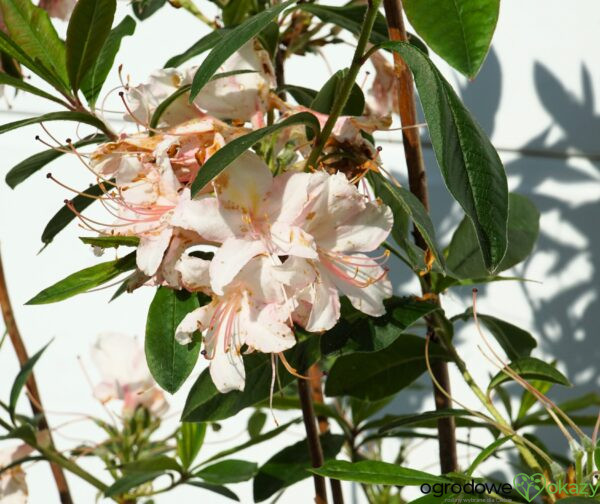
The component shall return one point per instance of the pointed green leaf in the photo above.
(22, 377)
(355, 106)
(126, 483)
(92, 82)
(88, 28)
(79, 117)
(228, 471)
(218, 489)
(204, 44)
(234, 149)
(375, 472)
(231, 42)
(469, 163)
(8, 80)
(531, 368)
(153, 464)
(169, 362)
(190, 438)
(460, 31)
(143, 9)
(84, 280)
(110, 241)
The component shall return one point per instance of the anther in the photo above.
(48, 175)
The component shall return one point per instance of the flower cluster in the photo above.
(285, 246)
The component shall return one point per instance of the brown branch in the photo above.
(417, 180)
(315, 374)
(312, 436)
(32, 389)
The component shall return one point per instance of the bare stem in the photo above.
(417, 179)
(35, 400)
(312, 436)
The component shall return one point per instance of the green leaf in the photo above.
(231, 42)
(375, 375)
(92, 82)
(403, 202)
(161, 463)
(218, 489)
(528, 400)
(375, 472)
(390, 423)
(31, 165)
(31, 29)
(486, 453)
(143, 9)
(304, 96)
(84, 280)
(206, 404)
(204, 44)
(323, 102)
(464, 256)
(169, 362)
(88, 28)
(110, 241)
(22, 377)
(291, 465)
(235, 11)
(190, 438)
(79, 117)
(256, 422)
(65, 215)
(234, 149)
(469, 163)
(531, 368)
(126, 483)
(460, 31)
(254, 441)
(228, 471)
(515, 341)
(17, 83)
(362, 410)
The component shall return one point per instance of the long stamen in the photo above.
(289, 367)
(79, 193)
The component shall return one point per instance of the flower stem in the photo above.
(417, 180)
(34, 400)
(347, 83)
(312, 436)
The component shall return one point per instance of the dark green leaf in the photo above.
(256, 422)
(206, 404)
(17, 83)
(79, 117)
(460, 31)
(528, 400)
(88, 28)
(531, 368)
(84, 280)
(143, 9)
(464, 256)
(161, 463)
(110, 241)
(291, 465)
(235, 11)
(231, 42)
(31, 29)
(469, 163)
(362, 410)
(234, 149)
(389, 423)
(204, 44)
(515, 341)
(190, 438)
(31, 165)
(92, 82)
(304, 96)
(22, 377)
(375, 472)
(403, 202)
(257, 440)
(169, 362)
(218, 489)
(323, 102)
(228, 471)
(65, 215)
(486, 453)
(18, 462)
(126, 483)
(269, 38)
(376, 375)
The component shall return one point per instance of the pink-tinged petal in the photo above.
(292, 241)
(295, 272)
(196, 320)
(325, 302)
(151, 250)
(268, 333)
(362, 232)
(365, 285)
(258, 279)
(204, 217)
(227, 369)
(168, 272)
(60, 9)
(194, 273)
(289, 196)
(244, 184)
(230, 258)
